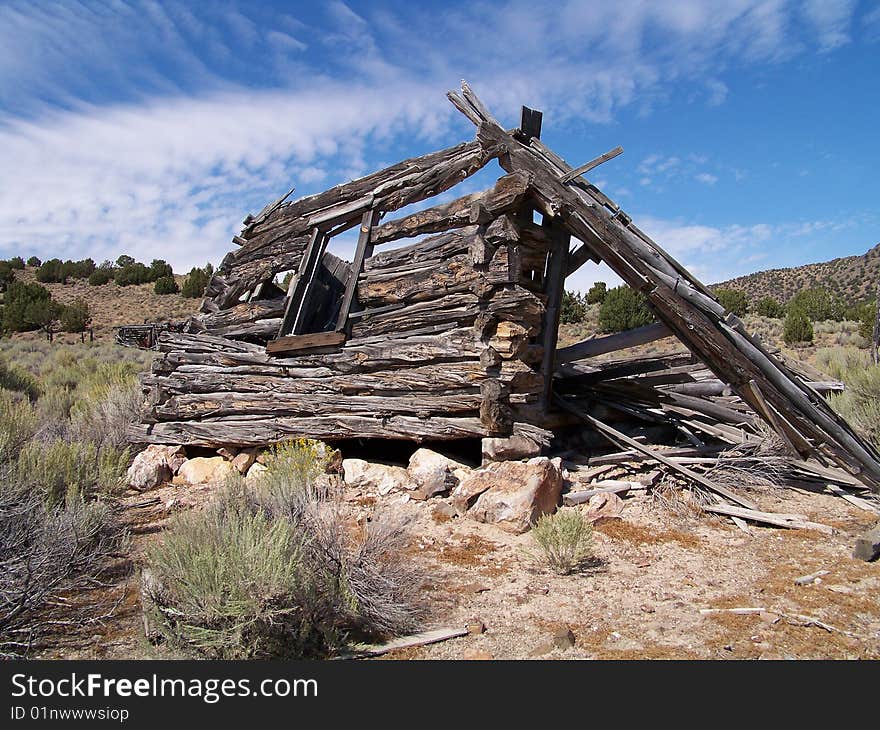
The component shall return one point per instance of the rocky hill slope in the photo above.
(853, 278)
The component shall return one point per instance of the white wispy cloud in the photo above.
(831, 21)
(145, 127)
(706, 178)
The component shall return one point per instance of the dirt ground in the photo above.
(640, 597)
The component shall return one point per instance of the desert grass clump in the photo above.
(562, 541)
(18, 424)
(274, 569)
(859, 404)
(61, 469)
(14, 378)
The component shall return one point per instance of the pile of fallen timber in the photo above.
(670, 416)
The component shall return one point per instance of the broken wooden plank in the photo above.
(363, 251)
(530, 123)
(407, 642)
(304, 343)
(852, 499)
(608, 486)
(791, 521)
(299, 284)
(592, 164)
(622, 439)
(612, 343)
(337, 213)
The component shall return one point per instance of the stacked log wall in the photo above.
(443, 347)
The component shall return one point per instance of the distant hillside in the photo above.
(853, 278)
(112, 305)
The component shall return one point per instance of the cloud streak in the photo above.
(202, 113)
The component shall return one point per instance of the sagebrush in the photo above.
(273, 569)
(563, 541)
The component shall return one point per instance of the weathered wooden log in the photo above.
(507, 194)
(433, 248)
(399, 349)
(258, 318)
(612, 343)
(259, 430)
(280, 404)
(435, 278)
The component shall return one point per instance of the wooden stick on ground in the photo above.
(797, 522)
(407, 642)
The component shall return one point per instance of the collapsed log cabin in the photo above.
(454, 335)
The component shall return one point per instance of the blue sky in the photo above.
(750, 127)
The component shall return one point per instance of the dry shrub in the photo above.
(754, 465)
(104, 415)
(563, 541)
(45, 552)
(274, 570)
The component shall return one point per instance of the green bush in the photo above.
(859, 404)
(573, 308)
(132, 274)
(101, 276)
(51, 272)
(797, 329)
(34, 262)
(769, 307)
(14, 378)
(28, 307)
(124, 260)
(16, 262)
(159, 268)
(624, 308)
(597, 293)
(76, 317)
(274, 571)
(818, 304)
(733, 300)
(563, 540)
(166, 285)
(866, 316)
(195, 283)
(7, 275)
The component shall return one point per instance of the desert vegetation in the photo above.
(562, 541)
(850, 279)
(273, 569)
(63, 456)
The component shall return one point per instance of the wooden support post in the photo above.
(554, 290)
(530, 123)
(297, 292)
(363, 251)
